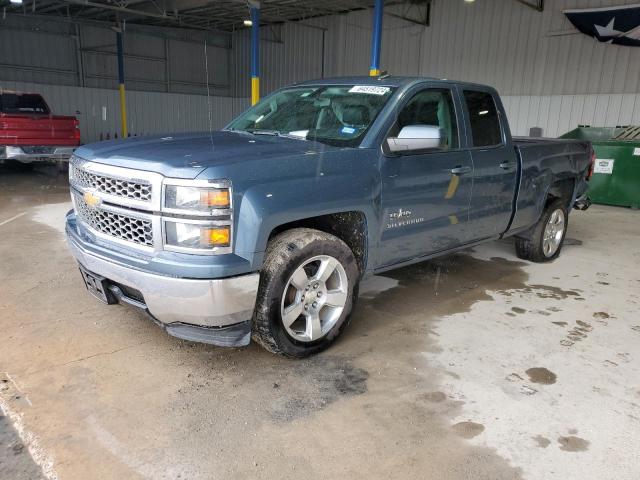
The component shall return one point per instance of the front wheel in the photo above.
(547, 236)
(308, 287)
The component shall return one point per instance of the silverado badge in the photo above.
(402, 218)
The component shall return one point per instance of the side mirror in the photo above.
(417, 137)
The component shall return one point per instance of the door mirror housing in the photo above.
(417, 137)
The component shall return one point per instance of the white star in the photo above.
(608, 31)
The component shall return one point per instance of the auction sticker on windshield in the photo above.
(369, 89)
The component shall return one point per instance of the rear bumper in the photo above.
(35, 153)
(216, 311)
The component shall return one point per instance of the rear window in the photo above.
(22, 103)
(483, 115)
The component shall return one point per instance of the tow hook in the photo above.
(582, 203)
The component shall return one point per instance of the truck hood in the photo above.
(187, 155)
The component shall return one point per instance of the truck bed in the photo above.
(544, 161)
(535, 141)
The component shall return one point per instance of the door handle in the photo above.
(506, 165)
(460, 170)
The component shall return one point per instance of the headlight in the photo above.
(185, 206)
(197, 236)
(202, 200)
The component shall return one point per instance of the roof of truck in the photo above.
(387, 81)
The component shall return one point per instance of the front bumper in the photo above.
(216, 311)
(29, 154)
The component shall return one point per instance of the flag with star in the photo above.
(617, 25)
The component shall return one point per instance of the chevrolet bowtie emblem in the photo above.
(91, 199)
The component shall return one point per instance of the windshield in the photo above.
(336, 115)
(22, 103)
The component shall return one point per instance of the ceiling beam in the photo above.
(180, 19)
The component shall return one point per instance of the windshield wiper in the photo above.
(257, 131)
(235, 130)
(275, 133)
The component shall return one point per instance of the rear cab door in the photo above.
(425, 192)
(495, 163)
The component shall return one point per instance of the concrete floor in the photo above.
(474, 366)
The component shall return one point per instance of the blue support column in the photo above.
(255, 52)
(123, 101)
(376, 39)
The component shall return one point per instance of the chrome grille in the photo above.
(116, 225)
(136, 190)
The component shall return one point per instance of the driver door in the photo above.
(425, 191)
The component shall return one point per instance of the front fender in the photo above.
(267, 206)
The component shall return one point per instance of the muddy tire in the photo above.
(308, 287)
(547, 237)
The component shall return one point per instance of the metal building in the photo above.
(549, 75)
(496, 332)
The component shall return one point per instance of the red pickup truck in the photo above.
(30, 133)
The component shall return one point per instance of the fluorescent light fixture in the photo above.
(16, 2)
(247, 23)
(483, 112)
(469, 1)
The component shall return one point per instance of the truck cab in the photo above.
(263, 230)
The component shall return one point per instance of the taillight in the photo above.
(593, 163)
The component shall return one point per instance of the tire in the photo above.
(534, 248)
(299, 251)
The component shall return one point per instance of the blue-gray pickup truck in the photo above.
(264, 229)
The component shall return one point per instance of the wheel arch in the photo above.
(349, 226)
(559, 189)
(563, 189)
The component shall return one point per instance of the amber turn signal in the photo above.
(215, 198)
(215, 236)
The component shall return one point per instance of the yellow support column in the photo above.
(123, 99)
(255, 90)
(123, 111)
(376, 38)
(255, 52)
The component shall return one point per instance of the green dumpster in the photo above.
(616, 175)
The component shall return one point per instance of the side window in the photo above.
(429, 108)
(483, 116)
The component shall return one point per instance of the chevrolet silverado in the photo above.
(264, 229)
(29, 132)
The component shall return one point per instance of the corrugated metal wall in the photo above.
(499, 42)
(33, 52)
(289, 53)
(521, 52)
(163, 60)
(98, 109)
(548, 76)
(557, 114)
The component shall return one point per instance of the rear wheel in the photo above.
(307, 290)
(547, 236)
